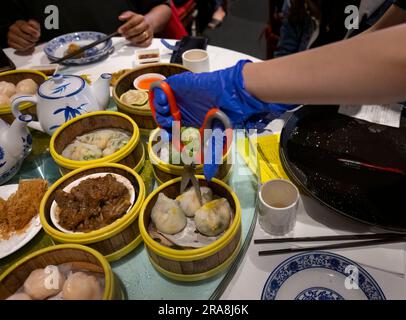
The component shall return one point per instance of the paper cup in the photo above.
(196, 60)
(278, 204)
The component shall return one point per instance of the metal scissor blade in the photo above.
(189, 175)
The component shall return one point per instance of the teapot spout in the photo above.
(19, 136)
(101, 90)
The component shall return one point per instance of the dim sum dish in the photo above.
(167, 161)
(92, 202)
(143, 115)
(186, 240)
(97, 138)
(97, 206)
(61, 272)
(18, 82)
(96, 144)
(19, 214)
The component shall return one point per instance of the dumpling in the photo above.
(42, 284)
(105, 139)
(82, 152)
(80, 286)
(28, 86)
(214, 217)
(168, 216)
(19, 296)
(189, 202)
(7, 88)
(4, 100)
(134, 97)
(115, 144)
(98, 138)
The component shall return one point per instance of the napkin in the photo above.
(264, 160)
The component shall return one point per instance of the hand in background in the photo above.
(136, 29)
(24, 35)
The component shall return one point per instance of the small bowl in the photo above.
(123, 180)
(147, 76)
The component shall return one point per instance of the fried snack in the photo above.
(19, 209)
(73, 47)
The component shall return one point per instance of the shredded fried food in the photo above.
(18, 210)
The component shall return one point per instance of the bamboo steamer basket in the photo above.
(193, 264)
(15, 77)
(131, 155)
(113, 241)
(143, 118)
(164, 171)
(81, 257)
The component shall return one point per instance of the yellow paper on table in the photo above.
(270, 166)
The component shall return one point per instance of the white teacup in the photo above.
(278, 204)
(196, 60)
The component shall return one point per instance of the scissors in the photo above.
(213, 118)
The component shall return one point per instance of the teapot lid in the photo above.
(61, 86)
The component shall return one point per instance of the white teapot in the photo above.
(64, 97)
(15, 146)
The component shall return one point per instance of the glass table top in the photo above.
(136, 273)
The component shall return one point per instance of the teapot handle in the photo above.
(15, 103)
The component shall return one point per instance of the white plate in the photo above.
(75, 183)
(17, 241)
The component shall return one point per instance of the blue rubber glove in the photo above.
(197, 93)
(211, 166)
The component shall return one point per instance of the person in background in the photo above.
(22, 21)
(218, 15)
(313, 23)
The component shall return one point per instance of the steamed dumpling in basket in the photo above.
(189, 202)
(167, 215)
(82, 151)
(214, 217)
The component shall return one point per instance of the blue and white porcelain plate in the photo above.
(320, 276)
(57, 47)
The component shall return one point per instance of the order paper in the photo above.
(387, 115)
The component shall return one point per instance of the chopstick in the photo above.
(334, 246)
(331, 238)
(83, 49)
(270, 167)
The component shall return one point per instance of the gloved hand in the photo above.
(197, 93)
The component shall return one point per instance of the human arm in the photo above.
(158, 17)
(365, 69)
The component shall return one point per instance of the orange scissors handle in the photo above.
(173, 107)
(211, 115)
